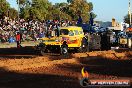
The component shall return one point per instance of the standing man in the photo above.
(18, 39)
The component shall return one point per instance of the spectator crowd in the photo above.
(30, 30)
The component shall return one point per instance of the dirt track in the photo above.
(23, 68)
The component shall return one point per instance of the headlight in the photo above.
(57, 40)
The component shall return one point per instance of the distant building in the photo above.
(118, 26)
(103, 24)
(114, 25)
(113, 22)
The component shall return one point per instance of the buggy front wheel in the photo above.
(64, 50)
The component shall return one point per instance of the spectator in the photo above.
(29, 29)
(18, 40)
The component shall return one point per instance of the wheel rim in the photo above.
(83, 48)
(64, 50)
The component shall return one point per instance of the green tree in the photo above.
(35, 9)
(21, 2)
(12, 13)
(39, 9)
(25, 7)
(62, 10)
(4, 7)
(69, 1)
(43, 9)
(80, 7)
(127, 19)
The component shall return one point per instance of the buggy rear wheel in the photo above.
(84, 46)
(42, 51)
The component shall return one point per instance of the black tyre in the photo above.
(84, 46)
(64, 50)
(42, 51)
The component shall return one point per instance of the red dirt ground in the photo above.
(23, 68)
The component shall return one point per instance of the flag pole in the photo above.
(129, 12)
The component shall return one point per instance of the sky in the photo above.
(104, 9)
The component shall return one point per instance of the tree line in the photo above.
(45, 10)
(6, 10)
